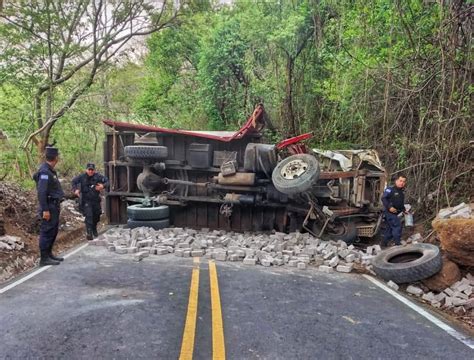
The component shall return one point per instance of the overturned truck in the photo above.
(233, 181)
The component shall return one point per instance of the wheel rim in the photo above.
(294, 169)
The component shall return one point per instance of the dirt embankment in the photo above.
(18, 215)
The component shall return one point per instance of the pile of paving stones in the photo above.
(275, 249)
(459, 296)
(10, 243)
(461, 211)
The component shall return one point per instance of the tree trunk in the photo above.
(288, 113)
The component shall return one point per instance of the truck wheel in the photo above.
(155, 224)
(408, 263)
(140, 212)
(345, 231)
(146, 152)
(296, 174)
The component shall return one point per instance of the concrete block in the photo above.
(344, 268)
(220, 256)
(265, 262)
(370, 250)
(293, 263)
(449, 291)
(186, 253)
(377, 249)
(428, 297)
(278, 262)
(469, 303)
(178, 253)
(458, 301)
(440, 297)
(197, 253)
(326, 269)
(461, 295)
(334, 261)
(139, 256)
(250, 261)
(121, 250)
(350, 258)
(448, 301)
(301, 266)
(234, 257)
(392, 285)
(132, 250)
(163, 251)
(414, 290)
(111, 248)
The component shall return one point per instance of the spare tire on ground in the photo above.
(140, 212)
(146, 152)
(155, 224)
(296, 174)
(404, 264)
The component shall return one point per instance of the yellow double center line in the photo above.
(218, 345)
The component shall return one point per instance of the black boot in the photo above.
(94, 231)
(57, 258)
(89, 233)
(46, 260)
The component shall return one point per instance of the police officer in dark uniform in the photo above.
(50, 195)
(88, 186)
(393, 200)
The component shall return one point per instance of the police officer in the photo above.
(88, 186)
(50, 195)
(393, 200)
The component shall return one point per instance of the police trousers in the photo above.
(393, 228)
(49, 229)
(91, 211)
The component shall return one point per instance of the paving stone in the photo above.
(428, 297)
(344, 268)
(334, 261)
(132, 250)
(121, 250)
(265, 262)
(162, 251)
(293, 263)
(326, 269)
(392, 285)
(301, 266)
(415, 290)
(449, 292)
(139, 256)
(220, 256)
(250, 261)
(458, 301)
(197, 253)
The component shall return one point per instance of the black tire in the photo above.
(146, 152)
(347, 233)
(155, 224)
(306, 175)
(404, 264)
(140, 212)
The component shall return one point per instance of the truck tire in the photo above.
(146, 152)
(140, 212)
(155, 224)
(296, 174)
(347, 233)
(404, 264)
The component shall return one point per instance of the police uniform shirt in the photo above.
(48, 186)
(394, 197)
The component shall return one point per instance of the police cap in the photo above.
(50, 151)
(90, 166)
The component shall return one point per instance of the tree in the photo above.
(54, 50)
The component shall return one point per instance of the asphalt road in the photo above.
(100, 305)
